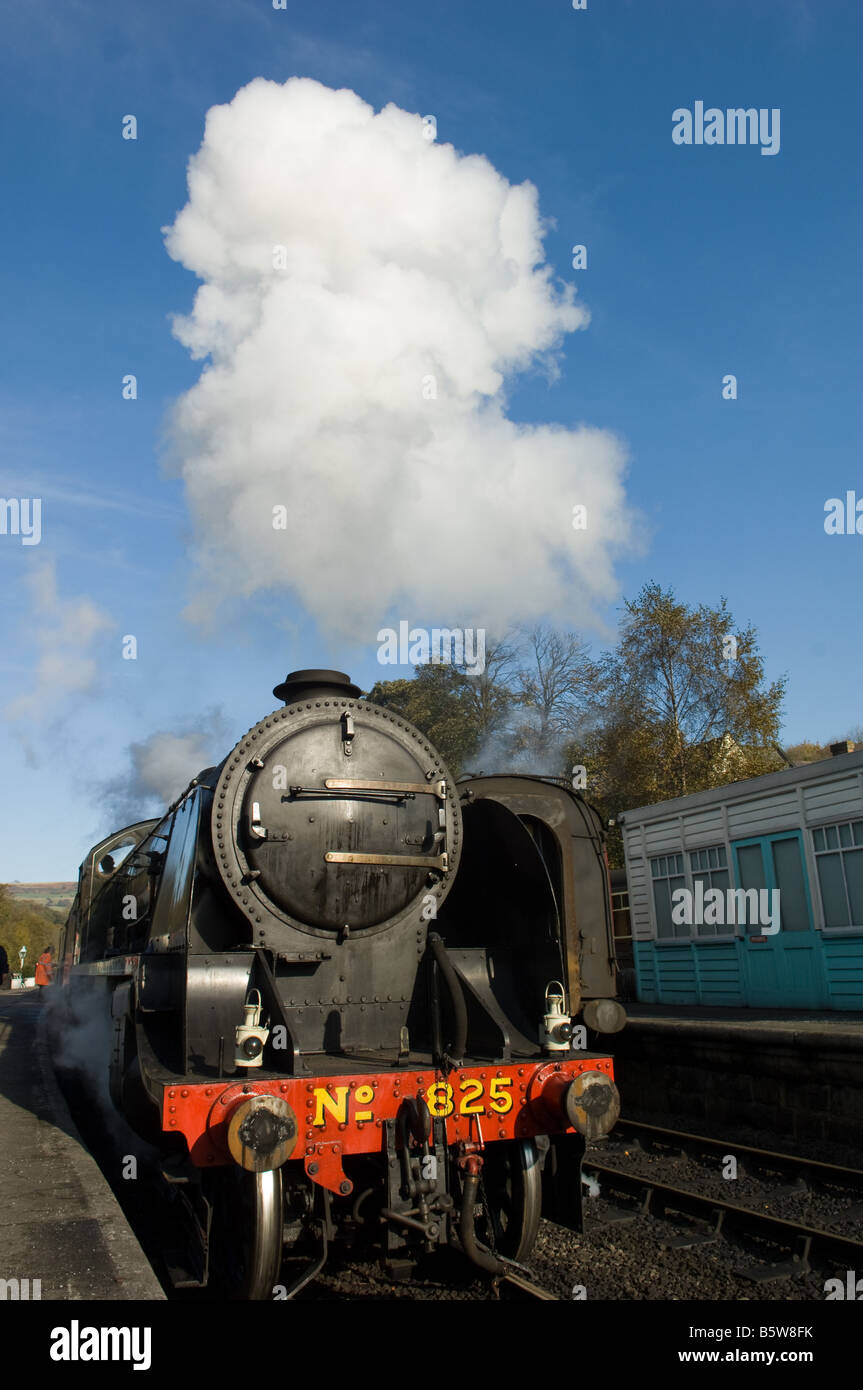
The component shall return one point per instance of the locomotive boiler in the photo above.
(350, 999)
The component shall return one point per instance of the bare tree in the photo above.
(556, 683)
(489, 696)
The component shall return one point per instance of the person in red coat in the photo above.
(44, 968)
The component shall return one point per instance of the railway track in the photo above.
(517, 1286)
(800, 1241)
(807, 1172)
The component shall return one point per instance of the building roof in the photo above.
(750, 787)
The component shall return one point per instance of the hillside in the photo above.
(54, 895)
(33, 920)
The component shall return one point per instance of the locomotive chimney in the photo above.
(300, 685)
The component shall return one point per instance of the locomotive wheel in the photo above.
(247, 1233)
(512, 1181)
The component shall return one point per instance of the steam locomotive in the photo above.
(350, 999)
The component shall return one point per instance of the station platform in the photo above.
(794, 1078)
(833, 1026)
(60, 1223)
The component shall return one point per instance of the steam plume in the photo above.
(162, 765)
(366, 294)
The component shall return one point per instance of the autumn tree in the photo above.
(683, 705)
(23, 925)
(806, 752)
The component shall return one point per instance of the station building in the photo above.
(800, 831)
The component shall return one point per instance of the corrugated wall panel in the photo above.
(704, 827)
(764, 816)
(662, 837)
(720, 978)
(639, 900)
(645, 972)
(843, 966)
(833, 800)
(675, 975)
(631, 841)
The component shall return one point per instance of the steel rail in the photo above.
(728, 1214)
(528, 1288)
(766, 1158)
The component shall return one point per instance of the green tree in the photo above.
(457, 711)
(433, 701)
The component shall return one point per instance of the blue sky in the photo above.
(702, 261)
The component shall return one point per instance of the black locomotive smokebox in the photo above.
(298, 684)
(333, 814)
(294, 830)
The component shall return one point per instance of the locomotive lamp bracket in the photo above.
(250, 1037)
(556, 1031)
(260, 832)
(348, 733)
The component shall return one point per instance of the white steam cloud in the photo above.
(366, 294)
(64, 631)
(162, 765)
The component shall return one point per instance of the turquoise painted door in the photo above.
(783, 970)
